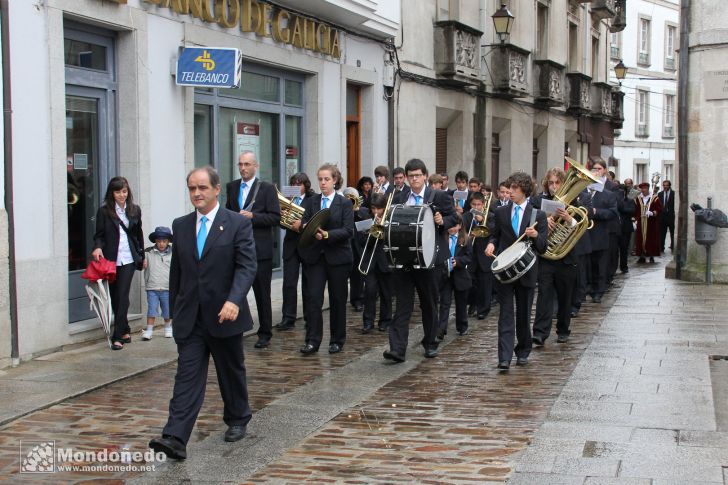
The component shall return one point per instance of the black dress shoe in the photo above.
(537, 341)
(652, 260)
(504, 365)
(472, 312)
(235, 433)
(334, 348)
(482, 316)
(262, 343)
(431, 353)
(392, 355)
(358, 307)
(522, 361)
(596, 299)
(308, 349)
(562, 339)
(641, 260)
(574, 313)
(170, 446)
(463, 332)
(285, 326)
(367, 329)
(441, 334)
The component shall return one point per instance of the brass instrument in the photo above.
(353, 195)
(308, 235)
(565, 236)
(480, 229)
(377, 231)
(290, 212)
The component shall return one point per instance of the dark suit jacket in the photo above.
(201, 286)
(625, 206)
(583, 247)
(460, 276)
(503, 236)
(480, 262)
(405, 190)
(266, 213)
(605, 203)
(290, 240)
(615, 225)
(336, 250)
(442, 203)
(106, 236)
(668, 210)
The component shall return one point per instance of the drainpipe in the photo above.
(8, 153)
(682, 143)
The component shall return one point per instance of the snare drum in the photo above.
(514, 262)
(411, 237)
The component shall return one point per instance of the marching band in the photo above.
(388, 239)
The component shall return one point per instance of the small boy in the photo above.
(156, 280)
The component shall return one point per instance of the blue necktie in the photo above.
(324, 203)
(514, 219)
(201, 236)
(297, 200)
(418, 200)
(243, 186)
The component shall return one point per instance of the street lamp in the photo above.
(503, 21)
(620, 71)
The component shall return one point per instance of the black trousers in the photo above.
(291, 270)
(664, 226)
(378, 286)
(481, 294)
(555, 279)
(613, 258)
(582, 281)
(461, 304)
(512, 327)
(191, 380)
(405, 281)
(624, 239)
(598, 272)
(119, 291)
(319, 275)
(356, 285)
(261, 289)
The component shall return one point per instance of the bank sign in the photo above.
(209, 67)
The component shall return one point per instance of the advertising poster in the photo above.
(247, 138)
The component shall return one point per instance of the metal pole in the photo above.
(682, 145)
(709, 258)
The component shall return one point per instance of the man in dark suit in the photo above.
(405, 280)
(625, 206)
(213, 266)
(667, 216)
(258, 201)
(511, 222)
(604, 213)
(292, 259)
(399, 185)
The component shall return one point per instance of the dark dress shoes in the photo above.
(504, 365)
(382, 327)
(596, 299)
(262, 343)
(392, 355)
(308, 349)
(367, 329)
(170, 446)
(358, 307)
(562, 339)
(431, 353)
(482, 316)
(235, 433)
(641, 260)
(334, 348)
(652, 260)
(441, 334)
(522, 361)
(537, 341)
(285, 326)
(463, 332)
(472, 312)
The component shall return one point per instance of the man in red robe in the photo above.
(647, 235)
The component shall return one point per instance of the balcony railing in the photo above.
(642, 130)
(510, 71)
(550, 83)
(603, 9)
(601, 98)
(668, 132)
(670, 63)
(457, 52)
(579, 93)
(617, 108)
(643, 58)
(614, 52)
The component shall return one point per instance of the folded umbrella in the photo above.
(100, 273)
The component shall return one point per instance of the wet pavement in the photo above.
(633, 385)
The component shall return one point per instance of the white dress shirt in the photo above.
(210, 217)
(384, 188)
(520, 213)
(412, 201)
(330, 199)
(123, 255)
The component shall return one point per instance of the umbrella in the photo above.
(100, 273)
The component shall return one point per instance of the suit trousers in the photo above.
(582, 281)
(378, 286)
(664, 226)
(461, 304)
(613, 259)
(261, 289)
(119, 291)
(318, 275)
(624, 239)
(291, 270)
(510, 327)
(405, 281)
(482, 291)
(598, 272)
(356, 285)
(191, 380)
(555, 279)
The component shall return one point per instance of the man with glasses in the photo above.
(426, 281)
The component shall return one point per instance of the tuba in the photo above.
(290, 212)
(353, 195)
(481, 229)
(564, 236)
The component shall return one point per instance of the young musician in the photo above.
(377, 282)
(604, 213)
(456, 279)
(511, 222)
(407, 279)
(461, 185)
(482, 291)
(328, 260)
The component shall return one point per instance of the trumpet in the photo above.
(377, 231)
(480, 229)
(290, 212)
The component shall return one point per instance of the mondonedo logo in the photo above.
(44, 457)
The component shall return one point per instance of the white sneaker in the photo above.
(168, 331)
(147, 334)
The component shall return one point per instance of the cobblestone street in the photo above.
(353, 418)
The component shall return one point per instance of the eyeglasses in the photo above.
(415, 175)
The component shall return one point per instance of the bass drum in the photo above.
(411, 237)
(514, 262)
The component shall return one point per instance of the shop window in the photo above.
(203, 135)
(258, 87)
(294, 93)
(78, 53)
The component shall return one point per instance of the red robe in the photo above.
(647, 235)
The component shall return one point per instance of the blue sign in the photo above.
(209, 67)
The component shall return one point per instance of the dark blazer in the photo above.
(106, 236)
(625, 206)
(503, 236)
(199, 287)
(480, 262)
(668, 210)
(583, 247)
(615, 225)
(405, 190)
(336, 250)
(605, 203)
(266, 213)
(442, 203)
(290, 239)
(460, 275)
